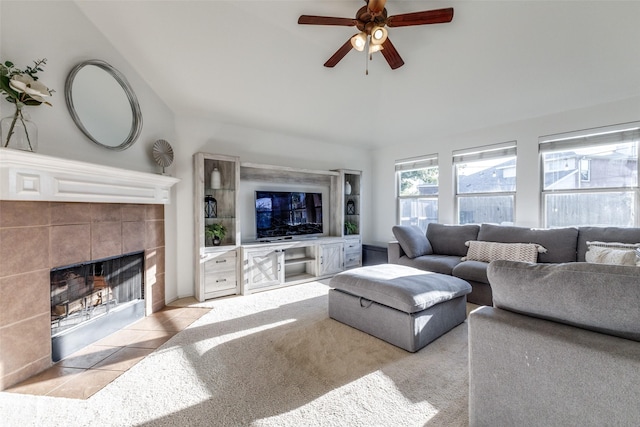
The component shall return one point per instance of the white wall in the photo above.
(525, 132)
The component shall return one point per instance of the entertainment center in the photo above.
(260, 227)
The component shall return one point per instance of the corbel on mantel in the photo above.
(37, 177)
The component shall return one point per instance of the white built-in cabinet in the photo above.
(232, 266)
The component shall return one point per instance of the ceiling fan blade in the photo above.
(326, 20)
(376, 6)
(437, 16)
(340, 53)
(391, 55)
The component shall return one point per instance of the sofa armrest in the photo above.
(394, 252)
(534, 372)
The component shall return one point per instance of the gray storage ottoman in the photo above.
(402, 305)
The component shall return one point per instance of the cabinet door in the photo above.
(265, 268)
(220, 274)
(330, 259)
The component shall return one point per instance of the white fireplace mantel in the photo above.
(38, 177)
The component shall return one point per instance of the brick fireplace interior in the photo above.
(36, 237)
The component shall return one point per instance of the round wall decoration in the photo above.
(162, 153)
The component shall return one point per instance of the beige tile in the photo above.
(70, 244)
(26, 372)
(155, 212)
(157, 293)
(131, 212)
(106, 212)
(177, 324)
(160, 260)
(154, 234)
(153, 339)
(88, 356)
(46, 381)
(133, 236)
(70, 213)
(121, 338)
(23, 250)
(106, 239)
(24, 296)
(123, 359)
(149, 323)
(25, 342)
(85, 384)
(21, 214)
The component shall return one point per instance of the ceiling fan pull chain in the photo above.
(366, 57)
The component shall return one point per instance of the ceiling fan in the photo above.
(372, 21)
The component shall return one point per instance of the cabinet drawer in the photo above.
(217, 281)
(352, 259)
(225, 261)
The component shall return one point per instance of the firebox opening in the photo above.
(93, 299)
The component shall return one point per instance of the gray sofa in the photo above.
(560, 346)
(444, 247)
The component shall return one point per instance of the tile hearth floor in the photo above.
(82, 374)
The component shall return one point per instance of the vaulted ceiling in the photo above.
(251, 64)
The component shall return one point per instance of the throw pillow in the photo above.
(412, 240)
(492, 251)
(615, 253)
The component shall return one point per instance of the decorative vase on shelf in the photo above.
(347, 188)
(19, 132)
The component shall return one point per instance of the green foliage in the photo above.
(8, 71)
(215, 230)
(410, 180)
(351, 227)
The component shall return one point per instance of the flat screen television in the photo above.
(288, 214)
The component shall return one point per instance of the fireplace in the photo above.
(60, 212)
(91, 300)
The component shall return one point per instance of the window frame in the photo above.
(592, 137)
(487, 152)
(411, 164)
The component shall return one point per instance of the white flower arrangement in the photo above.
(21, 87)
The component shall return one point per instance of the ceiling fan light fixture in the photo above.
(373, 48)
(359, 41)
(378, 35)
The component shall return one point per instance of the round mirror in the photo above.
(103, 105)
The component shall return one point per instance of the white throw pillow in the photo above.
(492, 251)
(615, 253)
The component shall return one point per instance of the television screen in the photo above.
(285, 213)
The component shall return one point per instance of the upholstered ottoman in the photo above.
(402, 305)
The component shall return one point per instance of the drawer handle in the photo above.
(219, 261)
(221, 280)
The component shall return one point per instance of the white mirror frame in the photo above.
(136, 122)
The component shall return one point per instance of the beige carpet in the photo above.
(271, 359)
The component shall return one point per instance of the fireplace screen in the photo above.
(84, 292)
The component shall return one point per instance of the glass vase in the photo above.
(19, 132)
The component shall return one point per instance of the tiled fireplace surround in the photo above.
(36, 236)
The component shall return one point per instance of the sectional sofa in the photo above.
(559, 347)
(465, 251)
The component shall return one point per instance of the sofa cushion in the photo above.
(491, 251)
(412, 239)
(475, 271)
(450, 239)
(598, 297)
(612, 253)
(443, 264)
(605, 234)
(561, 243)
(403, 288)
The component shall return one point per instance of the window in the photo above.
(417, 191)
(486, 184)
(591, 177)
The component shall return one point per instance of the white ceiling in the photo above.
(250, 63)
